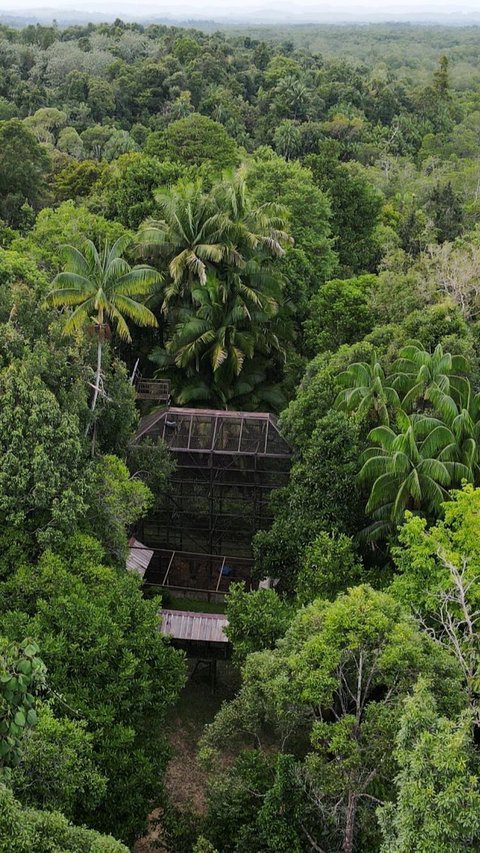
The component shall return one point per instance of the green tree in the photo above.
(70, 142)
(126, 189)
(103, 286)
(367, 391)
(23, 830)
(317, 391)
(287, 139)
(116, 502)
(339, 313)
(42, 459)
(330, 564)
(355, 205)
(438, 783)
(22, 675)
(191, 234)
(311, 260)
(120, 142)
(207, 231)
(256, 620)
(69, 223)
(337, 678)
(218, 336)
(56, 770)
(100, 99)
(446, 209)
(405, 472)
(76, 180)
(46, 124)
(95, 139)
(417, 372)
(107, 661)
(305, 508)
(193, 140)
(437, 571)
(222, 299)
(23, 168)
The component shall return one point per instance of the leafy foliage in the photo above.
(22, 674)
(437, 784)
(337, 677)
(107, 664)
(25, 829)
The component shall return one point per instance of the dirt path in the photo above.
(185, 779)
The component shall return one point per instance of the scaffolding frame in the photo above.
(227, 464)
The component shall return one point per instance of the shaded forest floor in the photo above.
(185, 778)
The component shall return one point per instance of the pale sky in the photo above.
(307, 9)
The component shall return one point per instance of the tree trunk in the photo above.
(98, 372)
(98, 376)
(350, 823)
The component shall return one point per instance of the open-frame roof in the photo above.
(216, 431)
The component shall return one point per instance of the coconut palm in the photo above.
(367, 391)
(102, 287)
(463, 424)
(406, 472)
(417, 371)
(191, 235)
(209, 233)
(215, 336)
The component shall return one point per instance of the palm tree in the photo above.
(251, 228)
(463, 425)
(216, 232)
(215, 337)
(103, 286)
(406, 472)
(366, 391)
(223, 295)
(417, 372)
(190, 236)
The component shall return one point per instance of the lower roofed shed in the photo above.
(194, 627)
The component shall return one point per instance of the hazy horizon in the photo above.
(253, 10)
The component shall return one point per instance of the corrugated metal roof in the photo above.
(203, 627)
(139, 556)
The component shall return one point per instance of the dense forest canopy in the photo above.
(281, 220)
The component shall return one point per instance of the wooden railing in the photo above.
(157, 390)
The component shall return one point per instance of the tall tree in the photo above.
(405, 472)
(23, 166)
(334, 682)
(222, 302)
(416, 372)
(367, 391)
(438, 783)
(103, 286)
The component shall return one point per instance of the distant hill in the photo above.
(278, 14)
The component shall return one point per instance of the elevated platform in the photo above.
(155, 390)
(194, 627)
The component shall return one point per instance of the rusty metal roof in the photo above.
(139, 556)
(200, 627)
(216, 431)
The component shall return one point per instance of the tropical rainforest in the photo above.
(284, 222)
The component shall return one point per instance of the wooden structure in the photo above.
(189, 627)
(227, 464)
(154, 390)
(200, 635)
(139, 557)
(190, 574)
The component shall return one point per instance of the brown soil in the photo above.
(185, 778)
